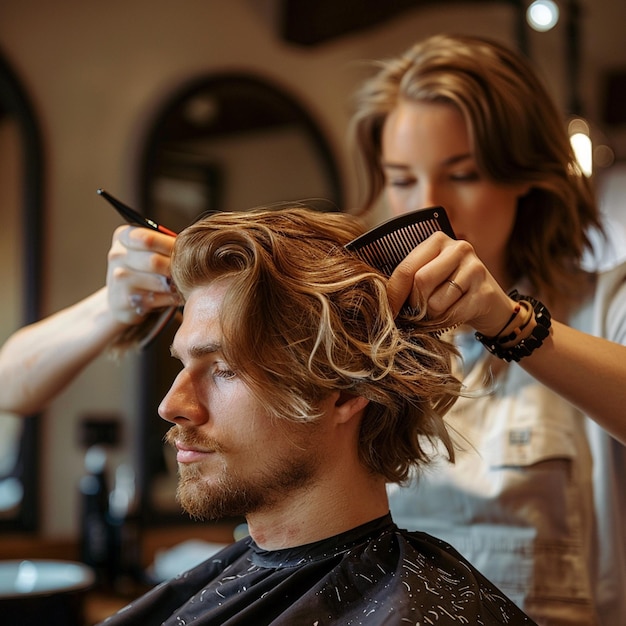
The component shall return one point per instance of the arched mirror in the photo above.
(20, 246)
(225, 142)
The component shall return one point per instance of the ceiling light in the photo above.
(542, 15)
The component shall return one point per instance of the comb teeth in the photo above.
(385, 246)
(387, 252)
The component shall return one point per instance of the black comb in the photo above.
(384, 246)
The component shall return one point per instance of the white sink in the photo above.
(26, 577)
(42, 592)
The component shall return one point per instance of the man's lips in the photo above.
(187, 454)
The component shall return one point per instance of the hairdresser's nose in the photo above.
(182, 403)
(430, 193)
(425, 193)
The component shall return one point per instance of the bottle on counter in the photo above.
(94, 510)
(124, 528)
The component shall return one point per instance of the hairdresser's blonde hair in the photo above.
(303, 318)
(517, 135)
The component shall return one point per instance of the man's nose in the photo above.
(181, 403)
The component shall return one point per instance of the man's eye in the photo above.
(224, 373)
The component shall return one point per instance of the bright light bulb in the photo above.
(542, 15)
(581, 143)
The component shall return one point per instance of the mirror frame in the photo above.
(264, 85)
(17, 104)
(151, 391)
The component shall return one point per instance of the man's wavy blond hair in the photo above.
(303, 317)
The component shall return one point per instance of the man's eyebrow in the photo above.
(198, 351)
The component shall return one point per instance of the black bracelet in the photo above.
(528, 345)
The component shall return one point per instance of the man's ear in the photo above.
(348, 405)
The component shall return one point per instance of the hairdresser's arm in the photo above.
(588, 371)
(39, 360)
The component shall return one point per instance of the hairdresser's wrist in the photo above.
(499, 317)
(532, 323)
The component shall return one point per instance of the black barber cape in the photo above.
(374, 574)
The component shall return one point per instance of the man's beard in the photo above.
(205, 496)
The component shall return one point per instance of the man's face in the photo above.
(233, 458)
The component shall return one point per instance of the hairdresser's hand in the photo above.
(453, 282)
(138, 273)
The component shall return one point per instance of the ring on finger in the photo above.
(456, 286)
(136, 302)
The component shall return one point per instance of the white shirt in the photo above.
(534, 499)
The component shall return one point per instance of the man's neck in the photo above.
(312, 516)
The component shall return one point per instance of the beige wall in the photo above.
(96, 71)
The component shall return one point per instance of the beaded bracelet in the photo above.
(527, 345)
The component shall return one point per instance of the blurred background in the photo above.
(115, 89)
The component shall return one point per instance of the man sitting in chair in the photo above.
(301, 395)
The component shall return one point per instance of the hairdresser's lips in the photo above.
(190, 455)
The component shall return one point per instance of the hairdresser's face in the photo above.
(427, 159)
(233, 458)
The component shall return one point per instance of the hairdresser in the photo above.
(38, 361)
(535, 499)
